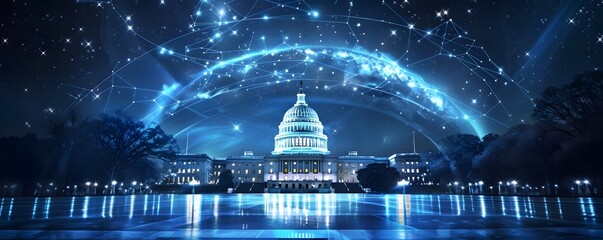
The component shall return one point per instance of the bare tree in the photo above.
(123, 142)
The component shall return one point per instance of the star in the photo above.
(571, 21)
(67, 40)
(4, 40)
(42, 53)
(600, 39)
(27, 125)
(237, 127)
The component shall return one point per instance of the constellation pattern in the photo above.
(233, 53)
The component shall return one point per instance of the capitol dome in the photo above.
(300, 132)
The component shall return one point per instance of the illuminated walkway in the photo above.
(333, 216)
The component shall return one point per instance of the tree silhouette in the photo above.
(456, 160)
(574, 107)
(378, 176)
(225, 180)
(122, 142)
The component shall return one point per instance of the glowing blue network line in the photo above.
(232, 62)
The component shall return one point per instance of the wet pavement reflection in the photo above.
(331, 216)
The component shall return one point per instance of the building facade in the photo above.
(300, 154)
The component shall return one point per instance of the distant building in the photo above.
(185, 168)
(300, 156)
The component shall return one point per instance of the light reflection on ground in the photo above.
(334, 216)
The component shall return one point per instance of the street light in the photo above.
(403, 183)
(113, 184)
(586, 188)
(514, 183)
(579, 190)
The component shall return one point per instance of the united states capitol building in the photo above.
(300, 159)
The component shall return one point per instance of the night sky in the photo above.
(223, 73)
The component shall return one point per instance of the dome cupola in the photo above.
(301, 131)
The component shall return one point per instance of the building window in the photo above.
(306, 170)
(233, 164)
(329, 163)
(270, 163)
(260, 164)
(260, 171)
(271, 171)
(329, 171)
(294, 170)
(246, 171)
(315, 170)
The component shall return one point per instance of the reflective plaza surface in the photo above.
(301, 216)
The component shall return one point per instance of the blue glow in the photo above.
(104, 206)
(10, 208)
(132, 201)
(517, 211)
(33, 211)
(146, 200)
(111, 202)
(71, 206)
(47, 207)
(85, 207)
